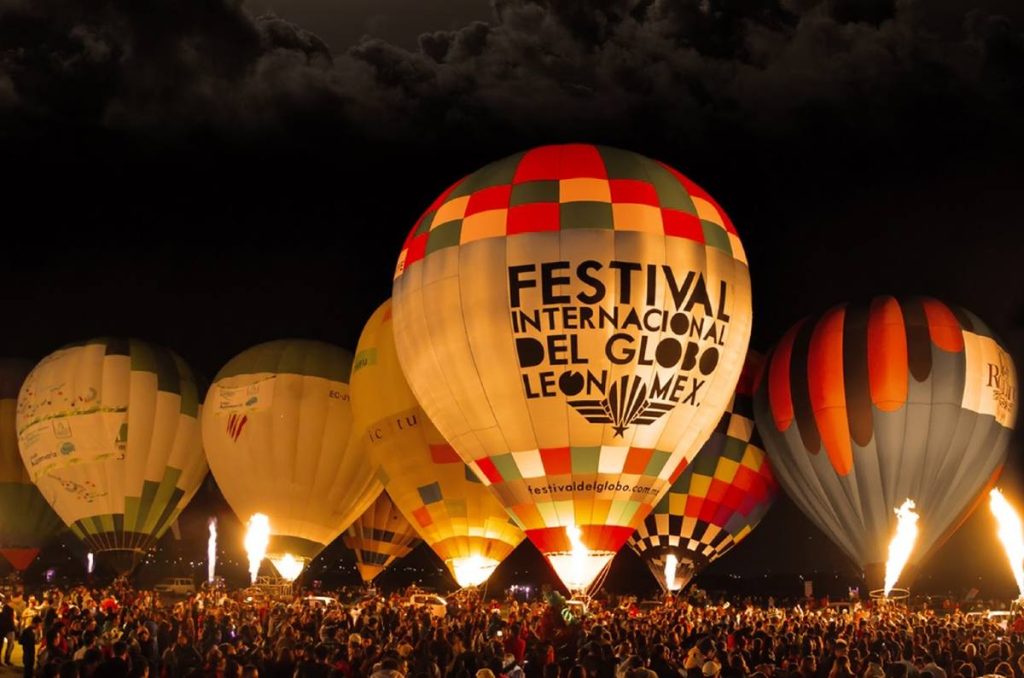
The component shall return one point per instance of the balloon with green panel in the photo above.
(108, 430)
(27, 522)
(277, 433)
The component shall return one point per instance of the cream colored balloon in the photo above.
(574, 320)
(108, 430)
(277, 434)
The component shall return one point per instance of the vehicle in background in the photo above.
(176, 586)
(433, 603)
(1000, 618)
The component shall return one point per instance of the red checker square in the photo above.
(745, 478)
(693, 506)
(678, 472)
(538, 164)
(633, 191)
(708, 511)
(758, 491)
(422, 516)
(443, 454)
(747, 505)
(717, 490)
(493, 198)
(417, 249)
(636, 460)
(579, 161)
(538, 216)
(682, 225)
(734, 497)
(488, 469)
(557, 461)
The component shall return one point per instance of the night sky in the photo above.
(209, 176)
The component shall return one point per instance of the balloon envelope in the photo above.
(574, 319)
(717, 500)
(380, 537)
(109, 432)
(27, 522)
(868, 405)
(441, 497)
(277, 434)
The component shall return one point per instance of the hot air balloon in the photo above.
(574, 320)
(276, 433)
(380, 537)
(26, 521)
(716, 501)
(868, 405)
(439, 495)
(109, 432)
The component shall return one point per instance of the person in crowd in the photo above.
(28, 640)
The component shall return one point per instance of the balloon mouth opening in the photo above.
(472, 571)
(578, 569)
(288, 566)
(894, 595)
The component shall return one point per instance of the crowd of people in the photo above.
(120, 632)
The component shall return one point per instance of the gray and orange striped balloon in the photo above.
(868, 405)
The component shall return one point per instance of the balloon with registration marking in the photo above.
(379, 537)
(717, 500)
(574, 320)
(109, 432)
(868, 405)
(441, 497)
(27, 522)
(277, 434)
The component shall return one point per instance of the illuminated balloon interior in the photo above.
(288, 566)
(580, 566)
(472, 570)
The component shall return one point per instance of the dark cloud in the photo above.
(552, 67)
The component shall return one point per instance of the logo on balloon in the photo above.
(661, 321)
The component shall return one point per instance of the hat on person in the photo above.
(485, 673)
(711, 668)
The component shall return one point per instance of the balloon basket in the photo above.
(896, 597)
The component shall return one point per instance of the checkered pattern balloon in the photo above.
(717, 499)
(380, 537)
